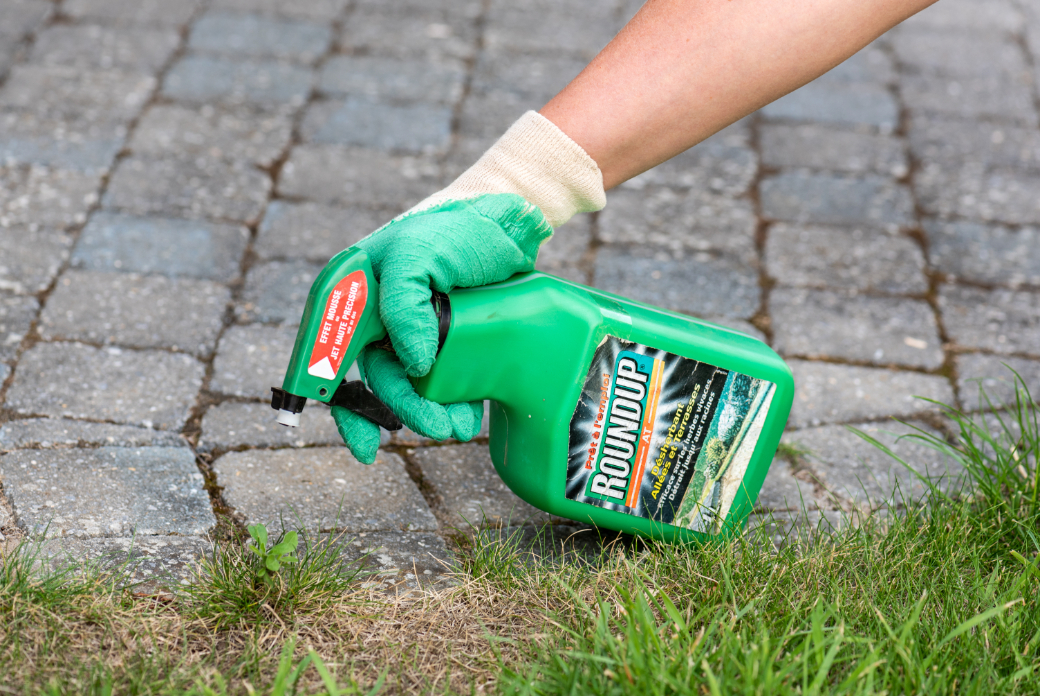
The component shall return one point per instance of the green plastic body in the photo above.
(526, 344)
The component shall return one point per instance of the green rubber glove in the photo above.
(454, 244)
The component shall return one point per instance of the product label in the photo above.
(663, 437)
(342, 312)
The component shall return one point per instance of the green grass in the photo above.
(937, 599)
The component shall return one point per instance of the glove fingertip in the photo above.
(360, 435)
(465, 420)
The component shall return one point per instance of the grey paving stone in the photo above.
(995, 374)
(21, 17)
(65, 91)
(47, 433)
(999, 195)
(457, 8)
(978, 143)
(107, 492)
(152, 564)
(393, 79)
(322, 489)
(252, 359)
(991, 97)
(201, 80)
(259, 136)
(30, 258)
(256, 36)
(55, 141)
(564, 254)
(828, 393)
(484, 118)
(177, 248)
(999, 15)
(701, 284)
(361, 121)
(548, 29)
(313, 231)
(980, 253)
(529, 76)
(318, 10)
(393, 559)
(783, 491)
(160, 12)
(90, 46)
(679, 220)
(16, 315)
(276, 291)
(819, 147)
(860, 472)
(840, 257)
(190, 188)
(825, 323)
(846, 104)
(37, 196)
(836, 200)
(712, 165)
(959, 53)
(133, 310)
(1003, 321)
(870, 65)
(233, 424)
(150, 388)
(430, 35)
(471, 492)
(358, 176)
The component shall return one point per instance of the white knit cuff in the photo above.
(539, 162)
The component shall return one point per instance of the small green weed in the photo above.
(271, 560)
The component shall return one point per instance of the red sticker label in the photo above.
(342, 312)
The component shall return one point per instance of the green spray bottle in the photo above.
(603, 410)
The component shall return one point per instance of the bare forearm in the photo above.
(684, 69)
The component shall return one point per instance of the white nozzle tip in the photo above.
(288, 418)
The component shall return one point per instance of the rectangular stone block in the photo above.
(818, 147)
(396, 560)
(202, 79)
(149, 388)
(258, 136)
(848, 258)
(836, 200)
(998, 377)
(315, 10)
(987, 254)
(49, 433)
(959, 53)
(680, 220)
(30, 257)
(79, 144)
(1000, 195)
(234, 424)
(252, 359)
(160, 12)
(151, 564)
(884, 330)
(953, 144)
(393, 79)
(829, 393)
(107, 492)
(470, 491)
(994, 15)
(782, 490)
(508, 28)
(248, 35)
(857, 471)
(358, 176)
(322, 489)
(65, 91)
(712, 165)
(16, 315)
(189, 188)
(702, 284)
(566, 252)
(136, 311)
(486, 117)
(313, 231)
(93, 47)
(1003, 321)
(276, 291)
(176, 248)
(34, 196)
(537, 76)
(856, 104)
(364, 122)
(428, 35)
(991, 97)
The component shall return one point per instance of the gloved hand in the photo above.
(483, 228)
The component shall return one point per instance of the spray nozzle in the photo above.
(353, 396)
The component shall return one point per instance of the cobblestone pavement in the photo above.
(165, 164)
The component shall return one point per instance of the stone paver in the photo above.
(399, 32)
(234, 424)
(980, 253)
(257, 36)
(252, 359)
(202, 79)
(94, 47)
(361, 121)
(323, 489)
(818, 147)
(109, 491)
(999, 195)
(37, 196)
(835, 200)
(78, 143)
(30, 258)
(16, 315)
(782, 491)
(995, 374)
(316, 10)
(62, 90)
(393, 79)
(1003, 321)
(46, 433)
(132, 12)
(955, 143)
(847, 105)
(470, 491)
(152, 564)
(316, 232)
(394, 558)
(277, 291)
(149, 388)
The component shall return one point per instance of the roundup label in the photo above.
(663, 437)
(343, 310)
